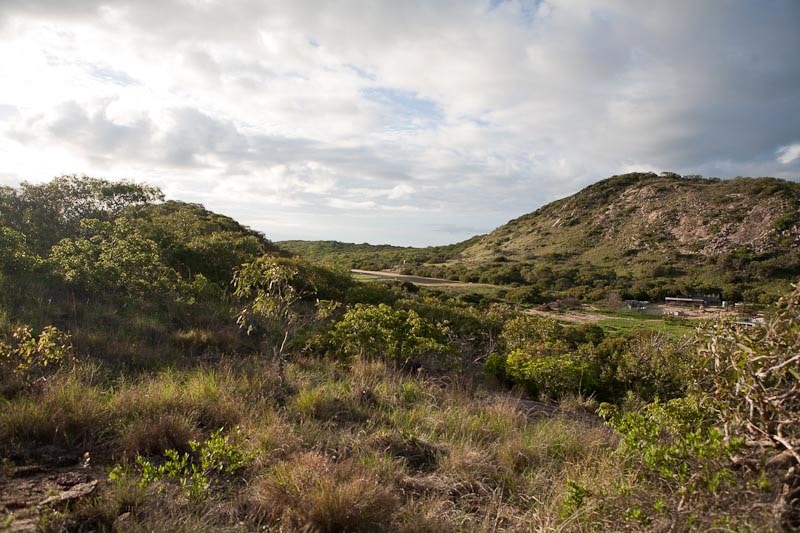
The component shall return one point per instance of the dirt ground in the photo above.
(26, 491)
(589, 315)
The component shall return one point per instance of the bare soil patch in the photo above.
(590, 315)
(26, 490)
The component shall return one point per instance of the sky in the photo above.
(407, 122)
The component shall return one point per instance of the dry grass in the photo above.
(335, 448)
(153, 436)
(67, 413)
(311, 492)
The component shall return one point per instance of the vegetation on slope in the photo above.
(643, 236)
(372, 257)
(187, 375)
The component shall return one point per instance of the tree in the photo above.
(195, 241)
(281, 298)
(15, 254)
(49, 212)
(112, 256)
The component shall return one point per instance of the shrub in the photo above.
(524, 295)
(524, 331)
(286, 298)
(685, 457)
(398, 336)
(753, 376)
(197, 473)
(678, 442)
(646, 363)
(549, 374)
(29, 356)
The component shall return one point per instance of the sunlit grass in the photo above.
(622, 325)
(334, 447)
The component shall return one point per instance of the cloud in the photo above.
(421, 116)
(789, 154)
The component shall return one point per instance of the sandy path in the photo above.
(419, 280)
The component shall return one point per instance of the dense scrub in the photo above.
(207, 381)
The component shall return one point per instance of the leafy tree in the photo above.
(112, 256)
(47, 213)
(281, 298)
(396, 335)
(15, 254)
(195, 241)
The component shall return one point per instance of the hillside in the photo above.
(622, 218)
(650, 235)
(641, 235)
(372, 257)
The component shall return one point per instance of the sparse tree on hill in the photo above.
(280, 298)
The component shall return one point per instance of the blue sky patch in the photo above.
(110, 75)
(405, 108)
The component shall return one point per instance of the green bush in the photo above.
(30, 356)
(398, 336)
(197, 473)
(678, 444)
(524, 331)
(524, 295)
(551, 374)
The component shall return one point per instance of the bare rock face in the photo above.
(25, 491)
(74, 485)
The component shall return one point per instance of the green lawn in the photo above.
(625, 323)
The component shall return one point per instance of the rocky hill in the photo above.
(648, 236)
(622, 217)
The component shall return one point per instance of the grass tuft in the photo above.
(311, 492)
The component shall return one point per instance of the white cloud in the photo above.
(789, 154)
(394, 121)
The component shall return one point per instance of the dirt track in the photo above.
(568, 315)
(418, 280)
